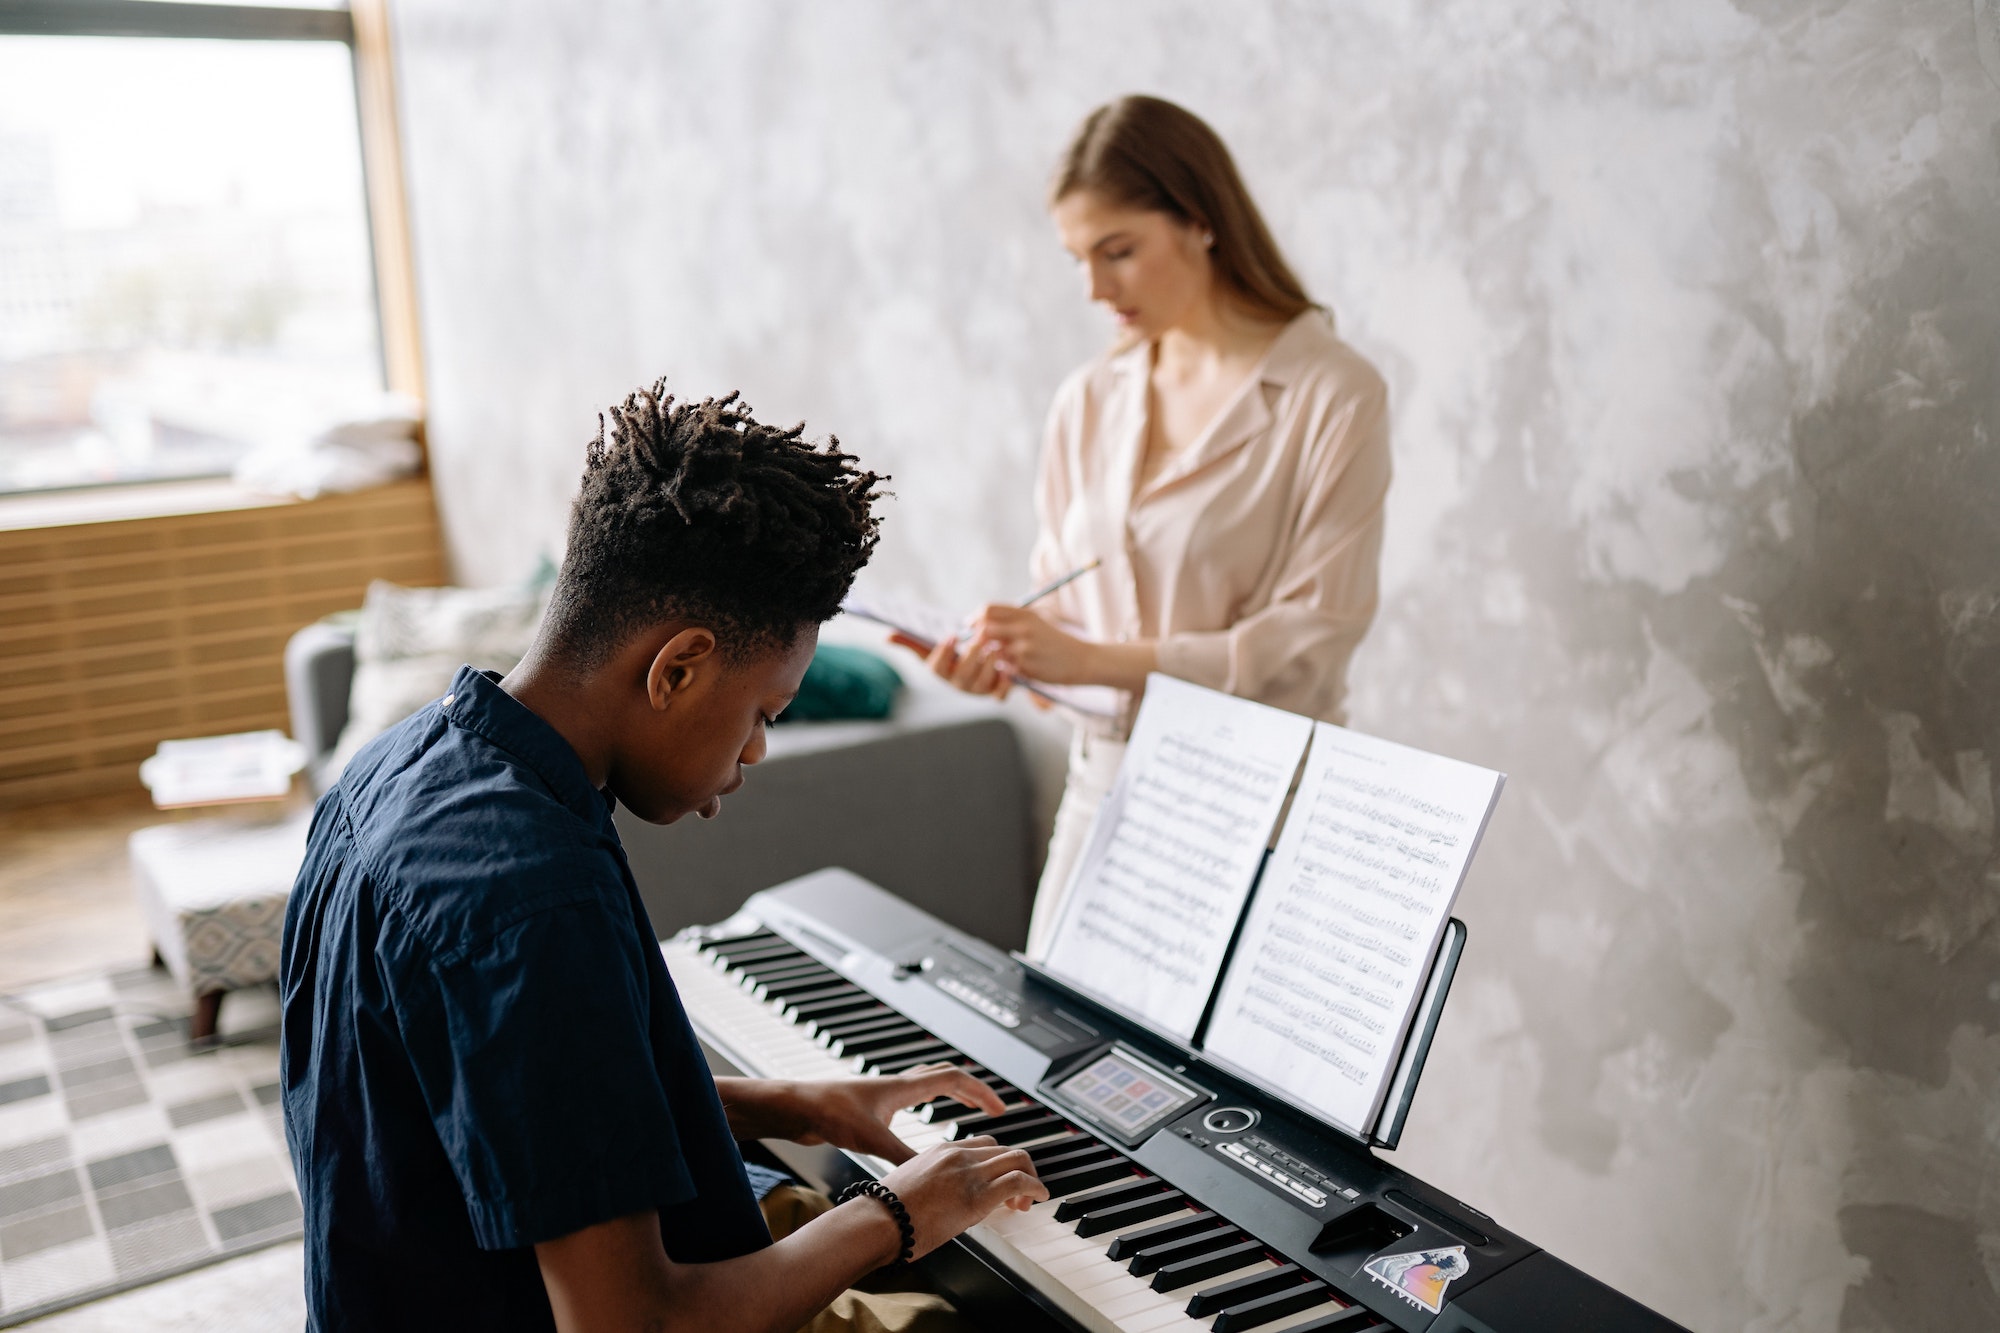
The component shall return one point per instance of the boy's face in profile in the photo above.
(690, 743)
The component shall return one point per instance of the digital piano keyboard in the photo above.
(1196, 1203)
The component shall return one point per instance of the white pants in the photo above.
(1093, 765)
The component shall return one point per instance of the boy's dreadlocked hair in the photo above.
(699, 512)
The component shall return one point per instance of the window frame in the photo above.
(364, 29)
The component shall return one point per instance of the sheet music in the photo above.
(1339, 940)
(1174, 851)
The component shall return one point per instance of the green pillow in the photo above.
(844, 682)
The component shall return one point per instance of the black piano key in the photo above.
(859, 1025)
(1074, 1155)
(771, 985)
(736, 943)
(841, 1002)
(1210, 1299)
(1180, 1228)
(784, 968)
(1073, 1142)
(769, 990)
(1343, 1320)
(908, 1046)
(876, 1039)
(1261, 1311)
(816, 973)
(1153, 1258)
(1201, 1267)
(898, 1058)
(986, 1124)
(788, 1005)
(1026, 1131)
(1075, 1160)
(817, 1019)
(1103, 1221)
(853, 1025)
(1077, 1205)
(775, 965)
(733, 958)
(1059, 1183)
(1071, 1150)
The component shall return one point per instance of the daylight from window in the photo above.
(184, 262)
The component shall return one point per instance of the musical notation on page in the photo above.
(1341, 934)
(1174, 851)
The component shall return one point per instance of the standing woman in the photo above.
(1226, 460)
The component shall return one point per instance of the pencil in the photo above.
(1076, 573)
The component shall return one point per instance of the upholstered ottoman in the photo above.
(213, 892)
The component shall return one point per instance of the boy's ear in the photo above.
(679, 666)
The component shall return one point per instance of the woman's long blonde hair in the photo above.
(1147, 153)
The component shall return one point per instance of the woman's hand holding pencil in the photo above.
(1009, 642)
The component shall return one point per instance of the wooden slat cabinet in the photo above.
(117, 635)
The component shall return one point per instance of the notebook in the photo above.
(927, 624)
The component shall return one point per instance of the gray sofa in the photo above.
(933, 803)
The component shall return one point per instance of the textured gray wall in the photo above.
(1692, 316)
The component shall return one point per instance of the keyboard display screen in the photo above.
(1125, 1094)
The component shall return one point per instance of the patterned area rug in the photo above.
(124, 1155)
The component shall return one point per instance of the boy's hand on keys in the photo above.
(854, 1113)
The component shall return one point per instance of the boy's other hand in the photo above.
(855, 1112)
(949, 1187)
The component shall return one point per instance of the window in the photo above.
(185, 257)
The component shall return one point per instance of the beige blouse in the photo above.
(1252, 556)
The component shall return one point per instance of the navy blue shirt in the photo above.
(482, 1046)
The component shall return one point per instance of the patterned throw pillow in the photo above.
(410, 642)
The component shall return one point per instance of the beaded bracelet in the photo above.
(875, 1189)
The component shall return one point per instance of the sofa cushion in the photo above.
(410, 642)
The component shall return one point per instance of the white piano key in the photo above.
(1165, 1315)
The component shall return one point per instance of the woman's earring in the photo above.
(1208, 240)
